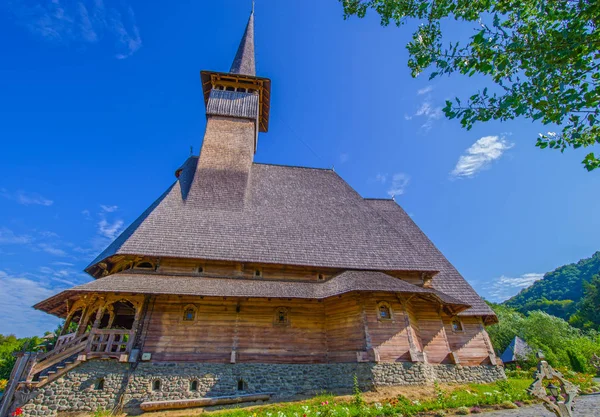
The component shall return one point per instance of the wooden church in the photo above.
(247, 280)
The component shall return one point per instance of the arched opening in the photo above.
(282, 317)
(156, 385)
(99, 384)
(194, 385)
(189, 313)
(123, 315)
(384, 311)
(144, 265)
(457, 325)
(242, 385)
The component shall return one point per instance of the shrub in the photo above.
(508, 405)
(476, 410)
(462, 411)
(440, 413)
(3, 384)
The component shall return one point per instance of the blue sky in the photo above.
(101, 101)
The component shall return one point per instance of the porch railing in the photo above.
(109, 343)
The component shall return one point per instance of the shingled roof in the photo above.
(290, 215)
(348, 281)
(448, 280)
(293, 216)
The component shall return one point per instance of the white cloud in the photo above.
(58, 263)
(430, 113)
(51, 249)
(399, 183)
(17, 295)
(425, 90)
(480, 155)
(110, 230)
(7, 236)
(82, 22)
(26, 198)
(382, 178)
(108, 209)
(505, 287)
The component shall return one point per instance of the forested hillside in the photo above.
(561, 291)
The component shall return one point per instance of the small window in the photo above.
(257, 273)
(200, 270)
(194, 385)
(321, 277)
(99, 384)
(189, 313)
(241, 90)
(144, 265)
(230, 88)
(242, 385)
(282, 316)
(384, 311)
(457, 325)
(156, 385)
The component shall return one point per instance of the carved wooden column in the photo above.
(235, 342)
(414, 343)
(488, 343)
(363, 356)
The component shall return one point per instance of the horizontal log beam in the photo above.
(202, 402)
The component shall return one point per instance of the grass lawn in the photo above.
(399, 401)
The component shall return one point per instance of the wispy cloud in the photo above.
(9, 237)
(425, 90)
(398, 185)
(26, 198)
(107, 209)
(110, 229)
(480, 155)
(505, 287)
(80, 22)
(17, 295)
(382, 178)
(427, 112)
(51, 249)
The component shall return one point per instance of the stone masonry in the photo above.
(98, 383)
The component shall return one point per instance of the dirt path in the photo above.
(585, 406)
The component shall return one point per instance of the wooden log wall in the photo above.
(248, 327)
(345, 333)
(389, 337)
(470, 343)
(339, 329)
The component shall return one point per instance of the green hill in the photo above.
(560, 291)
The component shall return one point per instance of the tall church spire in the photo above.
(244, 62)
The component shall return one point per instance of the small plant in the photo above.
(440, 395)
(101, 412)
(476, 410)
(519, 403)
(18, 411)
(439, 413)
(463, 411)
(357, 398)
(508, 405)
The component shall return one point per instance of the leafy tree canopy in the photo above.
(562, 344)
(543, 56)
(588, 316)
(560, 292)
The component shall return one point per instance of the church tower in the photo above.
(237, 108)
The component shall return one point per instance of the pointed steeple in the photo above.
(244, 62)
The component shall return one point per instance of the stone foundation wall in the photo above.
(98, 383)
